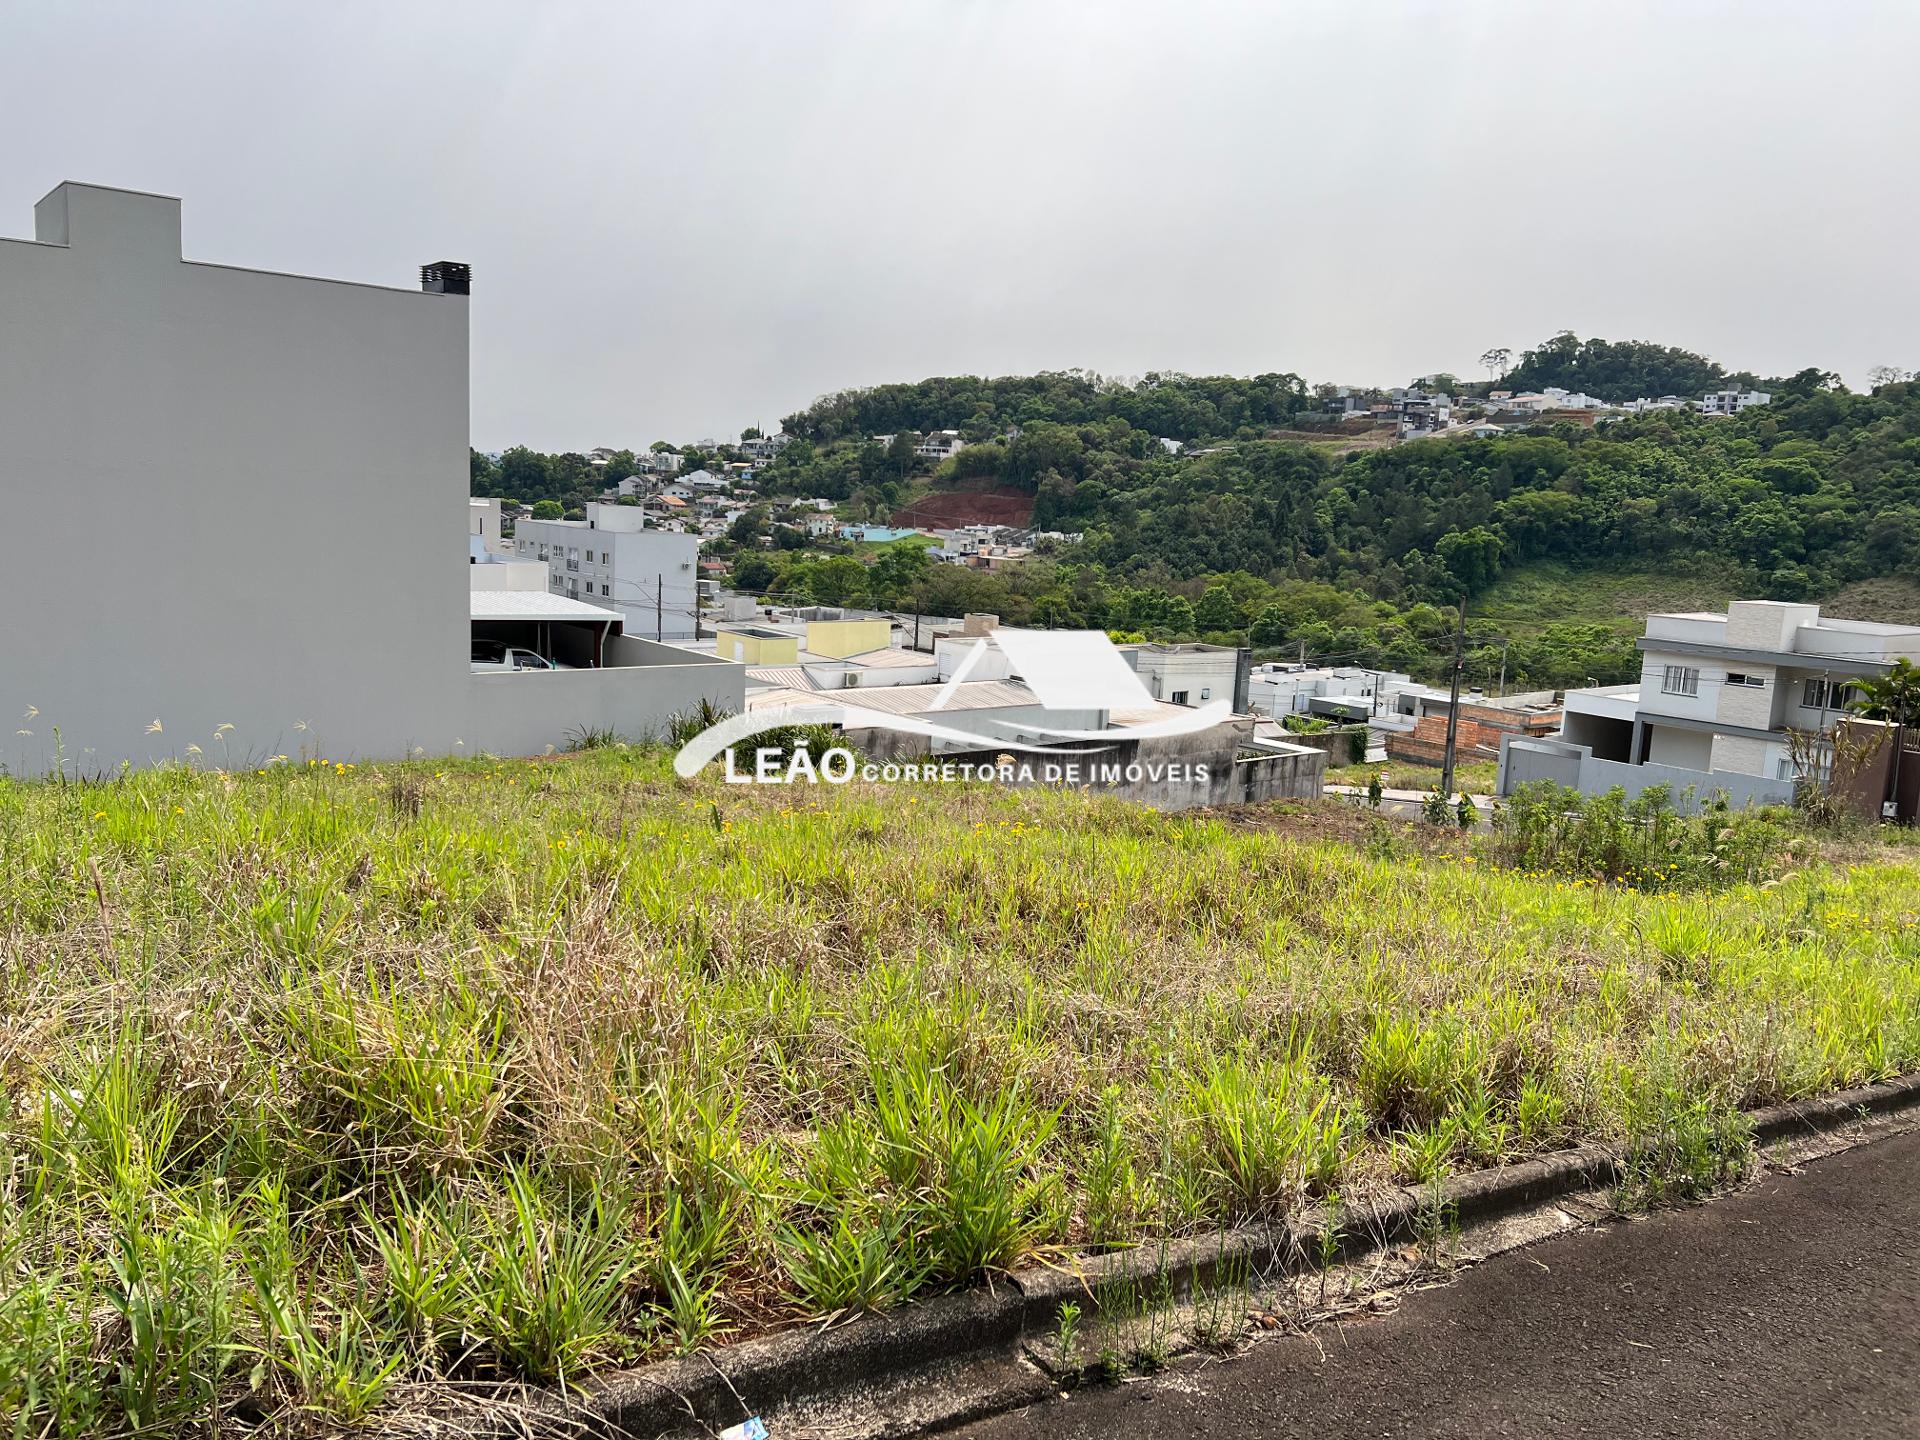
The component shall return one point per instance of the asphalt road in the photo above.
(1790, 1309)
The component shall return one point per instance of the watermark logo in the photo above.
(1053, 724)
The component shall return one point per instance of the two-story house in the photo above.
(1717, 698)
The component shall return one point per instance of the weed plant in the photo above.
(328, 1084)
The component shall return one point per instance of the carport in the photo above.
(568, 632)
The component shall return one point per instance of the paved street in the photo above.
(1792, 1308)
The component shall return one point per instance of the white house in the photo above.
(218, 597)
(764, 447)
(617, 559)
(1716, 699)
(939, 445)
(705, 480)
(1732, 401)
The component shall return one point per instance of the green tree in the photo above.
(547, 510)
(1471, 557)
(1893, 697)
(837, 580)
(753, 573)
(1217, 610)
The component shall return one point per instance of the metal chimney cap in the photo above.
(446, 277)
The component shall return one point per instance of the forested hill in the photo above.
(1181, 407)
(1617, 371)
(1817, 489)
(1256, 533)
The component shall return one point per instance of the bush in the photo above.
(1644, 843)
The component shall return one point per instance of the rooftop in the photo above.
(907, 699)
(533, 605)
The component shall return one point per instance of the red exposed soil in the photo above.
(950, 509)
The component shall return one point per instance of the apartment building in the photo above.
(1716, 700)
(1732, 401)
(231, 586)
(617, 558)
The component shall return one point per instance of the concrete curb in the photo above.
(971, 1342)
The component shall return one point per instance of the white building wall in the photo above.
(174, 437)
(1201, 675)
(1684, 749)
(1656, 700)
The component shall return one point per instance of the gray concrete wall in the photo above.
(1599, 776)
(1522, 762)
(1335, 745)
(226, 497)
(525, 712)
(1574, 766)
(1280, 777)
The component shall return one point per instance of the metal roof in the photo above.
(787, 677)
(533, 605)
(890, 658)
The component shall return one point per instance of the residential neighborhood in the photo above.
(1163, 724)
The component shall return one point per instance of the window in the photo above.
(1179, 697)
(1822, 694)
(1750, 682)
(606, 589)
(1680, 680)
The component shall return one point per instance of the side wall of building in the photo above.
(189, 459)
(644, 689)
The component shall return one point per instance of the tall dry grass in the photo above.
(327, 1087)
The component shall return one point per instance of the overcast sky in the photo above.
(690, 217)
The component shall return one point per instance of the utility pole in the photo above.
(1501, 692)
(660, 608)
(1453, 706)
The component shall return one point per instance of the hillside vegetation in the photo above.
(335, 1090)
(1347, 553)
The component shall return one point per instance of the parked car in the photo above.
(497, 655)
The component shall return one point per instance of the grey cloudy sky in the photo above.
(691, 217)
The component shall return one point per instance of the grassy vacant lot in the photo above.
(1475, 777)
(1526, 600)
(334, 1089)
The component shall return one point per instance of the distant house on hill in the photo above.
(939, 445)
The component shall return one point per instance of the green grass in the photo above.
(330, 1088)
(1475, 777)
(1526, 600)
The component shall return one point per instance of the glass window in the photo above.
(1680, 680)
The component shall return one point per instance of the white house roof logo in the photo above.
(1069, 671)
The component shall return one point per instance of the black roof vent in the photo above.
(446, 277)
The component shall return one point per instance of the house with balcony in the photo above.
(1716, 705)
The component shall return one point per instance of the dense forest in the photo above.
(1616, 370)
(1347, 553)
